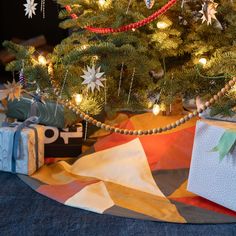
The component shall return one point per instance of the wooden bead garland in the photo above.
(179, 122)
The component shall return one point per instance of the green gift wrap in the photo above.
(21, 110)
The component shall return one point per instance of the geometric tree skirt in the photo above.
(139, 177)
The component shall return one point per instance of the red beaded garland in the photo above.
(131, 26)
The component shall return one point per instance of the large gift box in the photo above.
(21, 147)
(213, 165)
(49, 113)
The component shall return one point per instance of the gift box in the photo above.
(22, 147)
(63, 142)
(50, 113)
(213, 166)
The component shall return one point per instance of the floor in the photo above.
(25, 212)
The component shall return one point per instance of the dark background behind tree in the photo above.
(14, 24)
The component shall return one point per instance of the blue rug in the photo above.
(25, 212)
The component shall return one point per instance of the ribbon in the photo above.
(226, 143)
(17, 138)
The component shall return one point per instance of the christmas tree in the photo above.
(110, 62)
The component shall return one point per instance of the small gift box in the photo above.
(63, 142)
(213, 166)
(22, 147)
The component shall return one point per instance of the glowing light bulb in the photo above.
(162, 25)
(102, 2)
(78, 98)
(203, 61)
(156, 109)
(95, 58)
(133, 30)
(42, 60)
(84, 47)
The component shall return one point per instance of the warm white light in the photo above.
(162, 25)
(133, 29)
(78, 98)
(203, 61)
(102, 2)
(42, 60)
(84, 47)
(156, 109)
(95, 57)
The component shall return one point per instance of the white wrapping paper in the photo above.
(209, 177)
(26, 161)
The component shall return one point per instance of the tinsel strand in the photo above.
(120, 80)
(131, 86)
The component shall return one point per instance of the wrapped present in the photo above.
(63, 142)
(213, 166)
(22, 147)
(50, 113)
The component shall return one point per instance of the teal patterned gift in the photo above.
(22, 147)
(50, 113)
(21, 110)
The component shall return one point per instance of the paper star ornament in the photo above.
(30, 8)
(12, 91)
(93, 78)
(208, 11)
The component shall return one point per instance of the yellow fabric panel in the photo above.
(57, 174)
(182, 191)
(93, 197)
(125, 164)
(155, 206)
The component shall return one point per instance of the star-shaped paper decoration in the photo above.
(208, 11)
(13, 91)
(93, 78)
(30, 8)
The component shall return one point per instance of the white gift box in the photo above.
(210, 177)
(27, 159)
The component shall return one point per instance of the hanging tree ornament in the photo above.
(120, 80)
(30, 8)
(60, 94)
(131, 86)
(42, 8)
(149, 3)
(22, 79)
(93, 78)
(208, 11)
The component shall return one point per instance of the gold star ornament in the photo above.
(12, 91)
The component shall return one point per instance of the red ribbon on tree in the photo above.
(128, 27)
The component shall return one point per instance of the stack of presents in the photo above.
(212, 175)
(26, 140)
